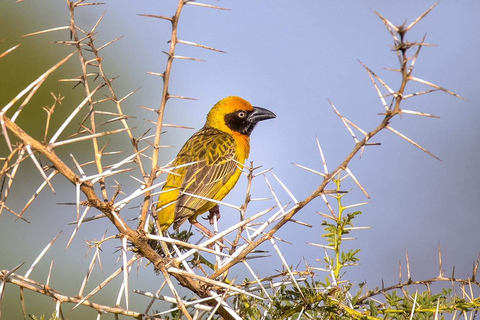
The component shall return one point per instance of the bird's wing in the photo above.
(213, 155)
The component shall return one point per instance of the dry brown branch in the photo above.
(26, 283)
(160, 112)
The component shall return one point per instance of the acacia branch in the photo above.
(427, 283)
(84, 64)
(300, 205)
(114, 98)
(46, 290)
(401, 47)
(201, 286)
(160, 112)
(137, 238)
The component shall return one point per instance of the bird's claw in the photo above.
(214, 213)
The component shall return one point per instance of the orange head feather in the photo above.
(236, 115)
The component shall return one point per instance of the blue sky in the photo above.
(290, 57)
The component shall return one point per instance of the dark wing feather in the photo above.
(213, 152)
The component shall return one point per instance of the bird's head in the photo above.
(234, 114)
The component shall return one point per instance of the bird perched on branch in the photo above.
(209, 164)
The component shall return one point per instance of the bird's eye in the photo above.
(242, 114)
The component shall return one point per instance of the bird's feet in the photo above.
(214, 213)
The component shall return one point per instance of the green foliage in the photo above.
(177, 314)
(335, 233)
(183, 235)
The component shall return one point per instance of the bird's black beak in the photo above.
(260, 114)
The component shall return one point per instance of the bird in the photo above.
(209, 164)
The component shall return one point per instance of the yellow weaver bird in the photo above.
(209, 164)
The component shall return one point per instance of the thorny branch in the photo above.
(103, 204)
(406, 69)
(43, 289)
(160, 112)
(209, 288)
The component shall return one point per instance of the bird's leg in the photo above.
(207, 232)
(214, 212)
(204, 229)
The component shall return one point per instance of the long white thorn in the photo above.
(323, 157)
(5, 131)
(413, 305)
(9, 50)
(328, 204)
(40, 256)
(125, 270)
(72, 115)
(412, 142)
(357, 182)
(212, 200)
(205, 5)
(257, 280)
(39, 167)
(436, 87)
(344, 120)
(286, 189)
(77, 227)
(308, 169)
(46, 31)
(105, 282)
(417, 113)
(286, 266)
(91, 136)
(411, 25)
